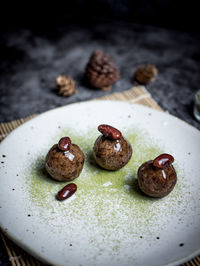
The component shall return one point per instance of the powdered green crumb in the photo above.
(109, 200)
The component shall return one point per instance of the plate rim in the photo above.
(164, 113)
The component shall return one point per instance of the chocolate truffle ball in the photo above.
(111, 150)
(157, 178)
(64, 161)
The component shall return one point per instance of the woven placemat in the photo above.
(139, 95)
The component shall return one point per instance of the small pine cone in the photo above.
(146, 74)
(101, 72)
(65, 85)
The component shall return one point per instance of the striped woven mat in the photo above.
(139, 95)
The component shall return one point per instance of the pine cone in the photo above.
(101, 72)
(65, 85)
(146, 74)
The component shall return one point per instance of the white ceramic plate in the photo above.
(107, 221)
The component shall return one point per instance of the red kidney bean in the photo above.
(163, 160)
(110, 132)
(67, 191)
(64, 144)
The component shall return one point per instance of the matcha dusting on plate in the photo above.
(104, 199)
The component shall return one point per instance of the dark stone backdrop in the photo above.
(32, 58)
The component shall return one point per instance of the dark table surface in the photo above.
(31, 59)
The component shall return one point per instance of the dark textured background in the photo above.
(32, 59)
(37, 43)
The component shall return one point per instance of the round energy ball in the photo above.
(156, 181)
(64, 161)
(111, 150)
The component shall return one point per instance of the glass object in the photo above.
(197, 106)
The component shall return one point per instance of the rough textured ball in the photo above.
(64, 165)
(156, 182)
(112, 154)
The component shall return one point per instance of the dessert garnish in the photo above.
(67, 191)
